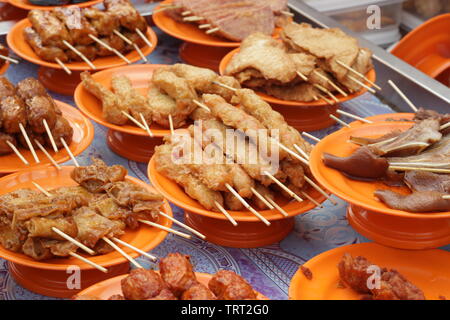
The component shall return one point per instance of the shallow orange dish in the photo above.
(429, 270)
(25, 4)
(45, 276)
(4, 68)
(319, 103)
(83, 134)
(17, 43)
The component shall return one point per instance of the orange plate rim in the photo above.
(371, 75)
(24, 260)
(316, 163)
(133, 56)
(4, 68)
(243, 216)
(24, 4)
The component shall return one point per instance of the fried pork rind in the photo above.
(394, 286)
(162, 106)
(353, 271)
(227, 285)
(33, 247)
(42, 227)
(111, 107)
(177, 272)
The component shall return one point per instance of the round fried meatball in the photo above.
(198, 292)
(177, 272)
(142, 284)
(227, 285)
(62, 129)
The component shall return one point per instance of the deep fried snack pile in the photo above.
(176, 280)
(103, 204)
(273, 66)
(51, 28)
(423, 145)
(242, 166)
(392, 285)
(235, 19)
(29, 104)
(172, 91)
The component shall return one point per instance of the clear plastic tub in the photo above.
(355, 16)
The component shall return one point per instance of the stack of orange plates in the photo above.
(304, 116)
(250, 231)
(52, 75)
(49, 277)
(429, 270)
(369, 216)
(129, 141)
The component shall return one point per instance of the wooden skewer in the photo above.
(47, 154)
(17, 152)
(201, 105)
(225, 213)
(401, 94)
(339, 120)
(9, 59)
(186, 13)
(307, 196)
(75, 161)
(41, 189)
(301, 75)
(281, 185)
(261, 197)
(123, 253)
(358, 74)
(147, 128)
(212, 30)
(132, 119)
(74, 241)
(447, 197)
(282, 211)
(287, 13)
(330, 102)
(108, 47)
(294, 154)
(152, 224)
(172, 130)
(362, 84)
(331, 83)
(89, 262)
(402, 168)
(315, 98)
(445, 126)
(328, 92)
(306, 134)
(354, 116)
(143, 37)
(129, 246)
(129, 42)
(50, 136)
(204, 26)
(183, 225)
(321, 191)
(247, 206)
(29, 144)
(301, 151)
(78, 53)
(193, 19)
(62, 65)
(225, 86)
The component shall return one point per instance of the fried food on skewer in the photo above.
(14, 113)
(51, 31)
(111, 107)
(162, 106)
(227, 285)
(177, 272)
(61, 129)
(77, 25)
(7, 89)
(49, 53)
(104, 22)
(265, 192)
(127, 15)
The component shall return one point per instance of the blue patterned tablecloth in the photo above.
(268, 269)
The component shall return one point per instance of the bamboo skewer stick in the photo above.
(108, 47)
(280, 209)
(330, 102)
(445, 126)
(74, 241)
(302, 152)
(358, 74)
(50, 136)
(9, 59)
(320, 190)
(132, 119)
(354, 116)
(62, 65)
(147, 128)
(129, 246)
(47, 154)
(186, 13)
(17, 152)
(225, 86)
(306, 134)
(144, 38)
(178, 233)
(193, 19)
(282, 186)
(204, 26)
(89, 262)
(247, 206)
(78, 53)
(172, 130)
(29, 144)
(128, 41)
(261, 197)
(123, 253)
(212, 30)
(331, 83)
(75, 161)
(200, 235)
(41, 189)
(287, 13)
(406, 168)
(201, 105)
(226, 214)
(295, 155)
(301, 75)
(325, 90)
(339, 121)
(362, 84)
(447, 197)
(307, 196)
(401, 94)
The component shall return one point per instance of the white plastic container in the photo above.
(353, 14)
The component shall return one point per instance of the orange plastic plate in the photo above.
(427, 269)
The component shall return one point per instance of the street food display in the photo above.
(29, 114)
(176, 280)
(53, 35)
(103, 204)
(232, 20)
(307, 64)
